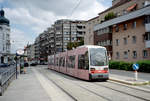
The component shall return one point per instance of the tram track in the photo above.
(101, 96)
(132, 87)
(59, 86)
(108, 87)
(102, 86)
(76, 83)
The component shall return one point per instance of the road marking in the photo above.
(52, 90)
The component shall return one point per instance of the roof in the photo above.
(90, 46)
(93, 18)
(129, 16)
(116, 5)
(3, 20)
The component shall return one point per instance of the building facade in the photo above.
(30, 53)
(89, 35)
(103, 36)
(130, 34)
(68, 31)
(4, 38)
(37, 50)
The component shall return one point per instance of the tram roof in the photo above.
(91, 46)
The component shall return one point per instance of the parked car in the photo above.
(4, 65)
(33, 64)
(26, 64)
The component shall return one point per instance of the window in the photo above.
(117, 55)
(125, 26)
(83, 61)
(134, 54)
(124, 12)
(117, 28)
(117, 42)
(134, 24)
(145, 53)
(125, 41)
(57, 62)
(63, 62)
(147, 19)
(60, 61)
(133, 39)
(125, 54)
(71, 62)
(147, 36)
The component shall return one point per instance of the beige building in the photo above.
(89, 35)
(119, 8)
(130, 35)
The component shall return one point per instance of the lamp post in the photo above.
(18, 52)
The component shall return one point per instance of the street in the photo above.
(81, 90)
(42, 84)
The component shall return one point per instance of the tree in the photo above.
(109, 16)
(72, 45)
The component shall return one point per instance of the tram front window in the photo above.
(98, 57)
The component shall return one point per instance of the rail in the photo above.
(7, 74)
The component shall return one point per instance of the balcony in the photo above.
(147, 27)
(147, 44)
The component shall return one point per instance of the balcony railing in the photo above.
(147, 44)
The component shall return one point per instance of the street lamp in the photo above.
(18, 52)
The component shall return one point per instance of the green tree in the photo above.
(109, 16)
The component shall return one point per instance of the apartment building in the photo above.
(103, 36)
(44, 45)
(89, 36)
(68, 31)
(130, 33)
(37, 50)
(30, 53)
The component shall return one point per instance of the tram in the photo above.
(86, 62)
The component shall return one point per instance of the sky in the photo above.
(29, 18)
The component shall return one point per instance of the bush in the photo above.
(120, 65)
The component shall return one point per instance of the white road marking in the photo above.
(52, 90)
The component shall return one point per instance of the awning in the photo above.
(131, 7)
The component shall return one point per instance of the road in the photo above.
(80, 90)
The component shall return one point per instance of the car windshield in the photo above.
(98, 57)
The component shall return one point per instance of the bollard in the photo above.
(136, 75)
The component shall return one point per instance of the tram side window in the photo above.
(60, 61)
(83, 61)
(63, 62)
(57, 62)
(71, 62)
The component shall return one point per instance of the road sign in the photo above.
(135, 67)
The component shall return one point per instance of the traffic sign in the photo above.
(135, 67)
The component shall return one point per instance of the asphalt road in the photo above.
(143, 76)
(80, 90)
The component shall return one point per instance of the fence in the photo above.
(7, 74)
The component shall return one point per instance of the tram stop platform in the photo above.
(25, 88)
(128, 77)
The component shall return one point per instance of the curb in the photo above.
(129, 82)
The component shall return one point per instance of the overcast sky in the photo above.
(29, 18)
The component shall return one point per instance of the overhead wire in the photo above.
(75, 8)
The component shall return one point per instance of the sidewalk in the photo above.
(127, 77)
(25, 88)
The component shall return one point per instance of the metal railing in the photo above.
(7, 74)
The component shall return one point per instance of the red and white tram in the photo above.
(85, 62)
